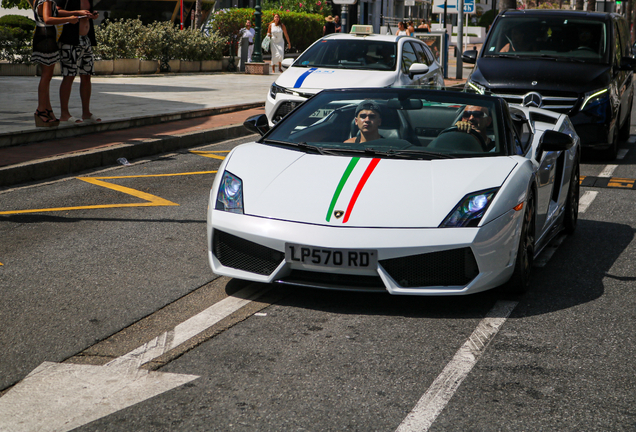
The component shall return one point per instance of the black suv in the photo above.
(573, 62)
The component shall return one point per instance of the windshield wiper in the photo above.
(408, 154)
(301, 145)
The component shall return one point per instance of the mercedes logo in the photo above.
(532, 99)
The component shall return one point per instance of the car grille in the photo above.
(284, 109)
(333, 280)
(559, 102)
(456, 267)
(245, 255)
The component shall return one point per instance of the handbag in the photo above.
(265, 43)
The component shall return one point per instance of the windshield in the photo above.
(403, 123)
(552, 37)
(349, 54)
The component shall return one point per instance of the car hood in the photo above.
(359, 192)
(312, 80)
(504, 73)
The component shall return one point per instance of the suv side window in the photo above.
(422, 55)
(408, 57)
(618, 47)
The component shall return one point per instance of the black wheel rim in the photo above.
(574, 198)
(528, 242)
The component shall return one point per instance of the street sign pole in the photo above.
(460, 39)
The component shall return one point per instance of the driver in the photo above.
(519, 40)
(478, 119)
(368, 120)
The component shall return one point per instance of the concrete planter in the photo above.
(211, 65)
(103, 67)
(175, 65)
(126, 66)
(190, 66)
(257, 68)
(17, 69)
(148, 66)
(226, 62)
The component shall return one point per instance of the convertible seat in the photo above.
(456, 141)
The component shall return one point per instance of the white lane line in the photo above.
(586, 199)
(608, 171)
(446, 384)
(61, 397)
(622, 153)
(189, 328)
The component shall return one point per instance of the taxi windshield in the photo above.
(405, 123)
(560, 38)
(350, 54)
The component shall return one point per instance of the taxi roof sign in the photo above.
(360, 29)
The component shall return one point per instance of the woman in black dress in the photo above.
(46, 53)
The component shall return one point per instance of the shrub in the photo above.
(17, 21)
(16, 37)
(310, 6)
(303, 28)
(157, 41)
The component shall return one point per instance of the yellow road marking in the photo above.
(621, 183)
(152, 200)
(211, 154)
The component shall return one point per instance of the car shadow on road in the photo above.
(574, 275)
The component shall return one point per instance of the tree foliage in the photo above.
(20, 4)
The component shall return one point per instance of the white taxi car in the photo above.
(357, 59)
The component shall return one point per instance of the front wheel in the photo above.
(572, 205)
(520, 280)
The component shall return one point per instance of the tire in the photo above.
(624, 133)
(611, 152)
(572, 204)
(520, 280)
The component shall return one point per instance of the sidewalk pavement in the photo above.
(141, 116)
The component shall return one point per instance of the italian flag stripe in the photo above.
(367, 173)
(343, 180)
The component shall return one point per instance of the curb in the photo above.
(9, 139)
(72, 163)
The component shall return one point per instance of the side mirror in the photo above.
(287, 62)
(417, 69)
(257, 124)
(553, 141)
(470, 56)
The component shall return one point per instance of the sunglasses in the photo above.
(476, 114)
(370, 116)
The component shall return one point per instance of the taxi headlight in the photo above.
(275, 89)
(470, 209)
(594, 98)
(230, 196)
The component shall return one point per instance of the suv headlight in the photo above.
(595, 97)
(470, 209)
(475, 87)
(230, 196)
(275, 89)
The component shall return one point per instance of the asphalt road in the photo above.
(93, 269)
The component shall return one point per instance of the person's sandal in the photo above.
(42, 119)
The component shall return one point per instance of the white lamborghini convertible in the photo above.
(404, 190)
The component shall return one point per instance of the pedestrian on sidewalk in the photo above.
(45, 52)
(76, 54)
(248, 33)
(276, 30)
(329, 27)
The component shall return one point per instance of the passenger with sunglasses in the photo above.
(368, 120)
(478, 119)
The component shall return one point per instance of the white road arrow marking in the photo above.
(60, 397)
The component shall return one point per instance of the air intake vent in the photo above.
(245, 255)
(456, 267)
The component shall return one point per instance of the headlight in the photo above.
(474, 87)
(595, 97)
(230, 196)
(275, 89)
(470, 209)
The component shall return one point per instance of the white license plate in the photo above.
(334, 258)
